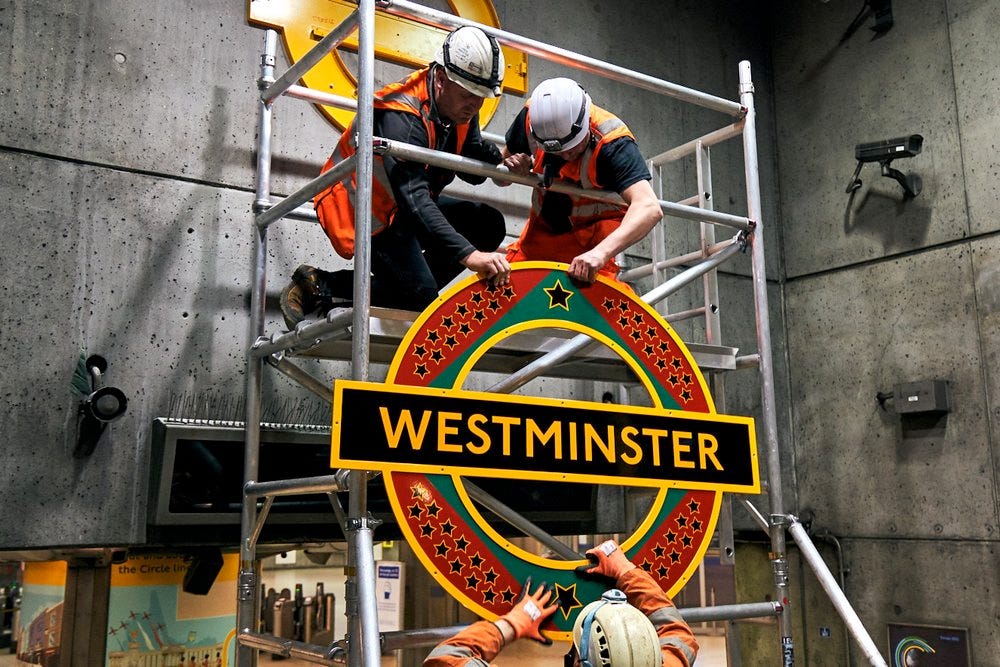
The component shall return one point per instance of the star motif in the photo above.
(493, 305)
(433, 336)
(436, 355)
(472, 582)
(490, 576)
(476, 561)
(426, 530)
(623, 322)
(479, 316)
(648, 350)
(671, 536)
(450, 341)
(567, 599)
(415, 510)
(693, 505)
(558, 296)
(681, 521)
(419, 351)
(663, 570)
(636, 335)
(489, 595)
(447, 527)
(441, 550)
(687, 378)
(696, 525)
(673, 379)
(638, 318)
(675, 557)
(686, 395)
(461, 309)
(508, 595)
(433, 509)
(461, 543)
(477, 297)
(464, 329)
(623, 306)
(457, 565)
(421, 370)
(658, 551)
(447, 322)
(508, 292)
(608, 304)
(646, 565)
(676, 363)
(686, 541)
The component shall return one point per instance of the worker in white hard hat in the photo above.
(575, 142)
(421, 239)
(632, 625)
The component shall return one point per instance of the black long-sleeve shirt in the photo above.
(416, 186)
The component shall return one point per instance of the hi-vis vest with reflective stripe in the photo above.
(335, 205)
(604, 127)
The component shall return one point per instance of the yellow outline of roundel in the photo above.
(483, 346)
(304, 22)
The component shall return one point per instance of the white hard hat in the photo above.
(559, 114)
(613, 633)
(473, 60)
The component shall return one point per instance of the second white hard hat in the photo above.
(613, 633)
(559, 114)
(473, 60)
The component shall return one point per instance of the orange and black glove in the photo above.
(606, 560)
(530, 611)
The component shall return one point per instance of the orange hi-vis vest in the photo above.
(591, 220)
(335, 205)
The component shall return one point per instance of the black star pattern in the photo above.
(664, 346)
(693, 505)
(436, 356)
(490, 576)
(421, 370)
(675, 557)
(427, 529)
(419, 351)
(450, 341)
(651, 332)
(623, 322)
(567, 599)
(479, 316)
(608, 304)
(476, 561)
(464, 329)
(433, 336)
(686, 395)
(695, 525)
(477, 297)
(673, 379)
(623, 306)
(558, 296)
(447, 322)
(658, 551)
(646, 565)
(686, 378)
(447, 527)
(461, 543)
(682, 521)
(462, 309)
(676, 363)
(433, 509)
(472, 582)
(441, 550)
(415, 511)
(636, 335)
(663, 570)
(638, 318)
(648, 350)
(457, 565)
(508, 595)
(494, 305)
(508, 292)
(686, 541)
(489, 595)
(671, 536)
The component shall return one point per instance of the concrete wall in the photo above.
(127, 154)
(879, 290)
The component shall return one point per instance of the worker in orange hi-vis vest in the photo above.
(632, 625)
(422, 239)
(575, 142)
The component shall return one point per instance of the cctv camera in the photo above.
(889, 149)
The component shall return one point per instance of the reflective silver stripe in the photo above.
(665, 615)
(689, 654)
(447, 650)
(380, 175)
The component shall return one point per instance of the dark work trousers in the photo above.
(409, 269)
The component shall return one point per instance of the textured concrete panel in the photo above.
(865, 470)
(153, 275)
(974, 25)
(830, 96)
(939, 583)
(986, 264)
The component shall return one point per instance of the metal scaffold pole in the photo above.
(779, 561)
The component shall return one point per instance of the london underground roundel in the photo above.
(431, 434)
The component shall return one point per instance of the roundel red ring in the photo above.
(465, 555)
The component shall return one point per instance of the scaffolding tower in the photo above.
(367, 335)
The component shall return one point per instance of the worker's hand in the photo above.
(531, 610)
(519, 163)
(584, 267)
(607, 560)
(491, 266)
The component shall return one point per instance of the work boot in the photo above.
(311, 289)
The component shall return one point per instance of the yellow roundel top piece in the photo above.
(304, 22)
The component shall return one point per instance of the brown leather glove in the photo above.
(530, 612)
(607, 560)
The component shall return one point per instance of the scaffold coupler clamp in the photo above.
(356, 523)
(743, 237)
(380, 145)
